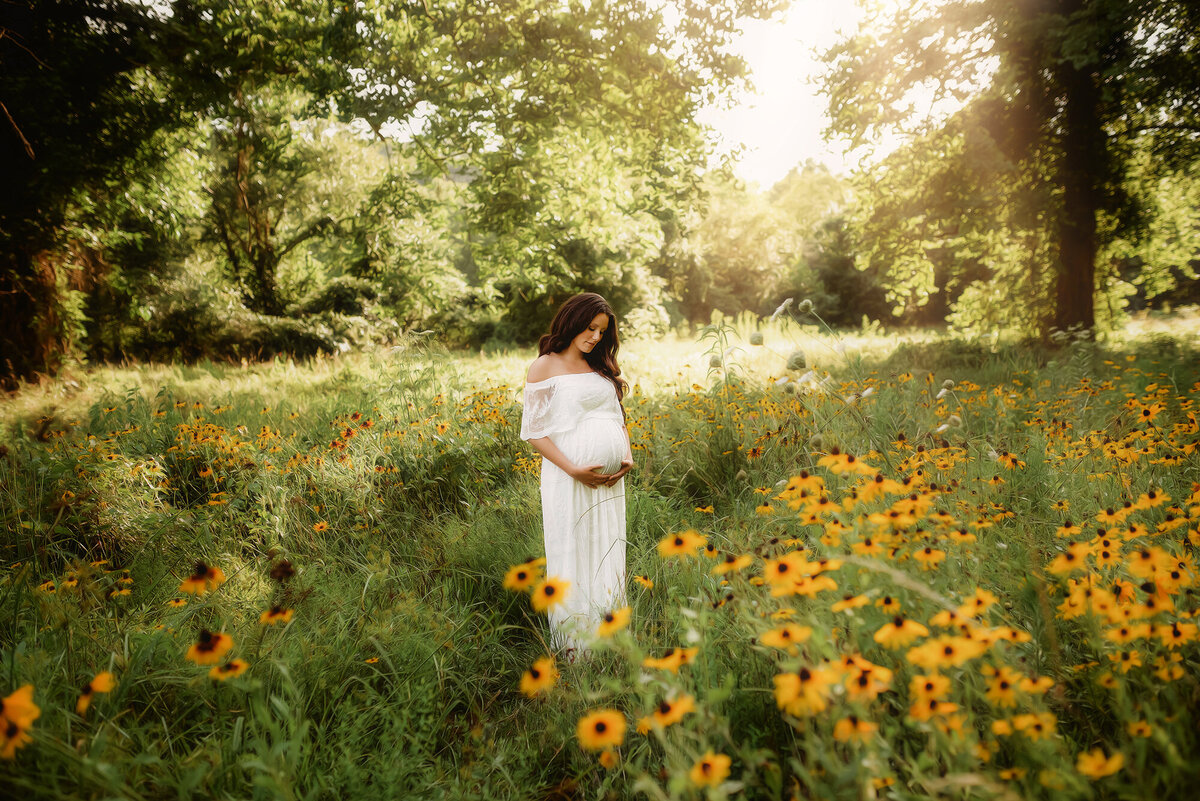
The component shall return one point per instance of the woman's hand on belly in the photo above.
(589, 475)
(626, 466)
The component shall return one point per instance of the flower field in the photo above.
(856, 571)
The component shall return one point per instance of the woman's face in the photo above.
(590, 337)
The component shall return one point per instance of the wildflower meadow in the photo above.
(860, 567)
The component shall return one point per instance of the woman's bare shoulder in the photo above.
(543, 367)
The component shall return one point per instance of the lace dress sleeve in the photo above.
(543, 413)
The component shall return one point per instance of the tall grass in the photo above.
(395, 487)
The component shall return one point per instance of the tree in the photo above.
(1060, 96)
(77, 111)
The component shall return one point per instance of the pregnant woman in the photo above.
(573, 417)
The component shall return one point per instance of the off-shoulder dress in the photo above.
(583, 528)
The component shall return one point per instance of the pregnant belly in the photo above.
(599, 442)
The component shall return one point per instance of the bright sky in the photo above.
(781, 125)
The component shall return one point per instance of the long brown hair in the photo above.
(569, 322)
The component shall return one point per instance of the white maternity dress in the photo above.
(583, 528)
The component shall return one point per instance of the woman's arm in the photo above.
(584, 475)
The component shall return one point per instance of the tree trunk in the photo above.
(1081, 164)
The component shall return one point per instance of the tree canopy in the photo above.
(1069, 109)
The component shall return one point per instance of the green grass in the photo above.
(398, 673)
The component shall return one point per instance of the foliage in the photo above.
(1062, 102)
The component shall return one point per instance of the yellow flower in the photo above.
(805, 692)
(899, 632)
(203, 579)
(321, 526)
(851, 602)
(549, 592)
(925, 687)
(644, 581)
(851, 728)
(945, 651)
(18, 707)
(670, 712)
(685, 543)
(1139, 728)
(234, 667)
(609, 759)
(732, 563)
(601, 729)
(276, 614)
(614, 621)
(1036, 726)
(520, 578)
(1095, 764)
(102, 683)
(539, 678)
(786, 637)
(710, 770)
(17, 714)
(209, 648)
(672, 660)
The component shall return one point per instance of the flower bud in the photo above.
(756, 338)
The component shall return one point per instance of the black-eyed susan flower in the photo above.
(945, 651)
(786, 637)
(644, 581)
(732, 563)
(614, 621)
(889, 604)
(927, 686)
(851, 602)
(177, 603)
(925, 710)
(232, 668)
(209, 648)
(899, 632)
(609, 759)
(601, 729)
(853, 729)
(804, 692)
(671, 711)
(1036, 726)
(866, 682)
(929, 557)
(539, 678)
(1002, 685)
(276, 614)
(1139, 728)
(203, 579)
(1095, 764)
(685, 543)
(710, 770)
(320, 526)
(17, 714)
(104, 682)
(549, 592)
(672, 659)
(520, 578)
